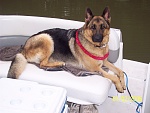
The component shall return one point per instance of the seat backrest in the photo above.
(15, 30)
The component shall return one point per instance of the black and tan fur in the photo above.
(53, 48)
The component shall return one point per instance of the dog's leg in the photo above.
(116, 71)
(46, 63)
(114, 79)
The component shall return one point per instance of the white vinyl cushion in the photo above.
(82, 90)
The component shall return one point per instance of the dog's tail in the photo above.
(17, 66)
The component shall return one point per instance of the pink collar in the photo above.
(88, 53)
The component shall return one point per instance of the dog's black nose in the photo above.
(97, 38)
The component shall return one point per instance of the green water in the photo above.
(131, 16)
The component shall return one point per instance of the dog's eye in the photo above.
(102, 26)
(93, 27)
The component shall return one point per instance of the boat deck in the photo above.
(137, 73)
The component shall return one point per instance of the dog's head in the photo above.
(96, 28)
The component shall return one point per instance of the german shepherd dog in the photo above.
(87, 48)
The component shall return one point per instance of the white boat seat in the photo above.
(82, 90)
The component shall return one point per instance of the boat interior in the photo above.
(87, 90)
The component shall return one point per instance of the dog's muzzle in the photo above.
(97, 38)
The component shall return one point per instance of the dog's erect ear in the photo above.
(106, 14)
(88, 16)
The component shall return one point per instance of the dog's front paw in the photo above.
(119, 86)
(122, 80)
